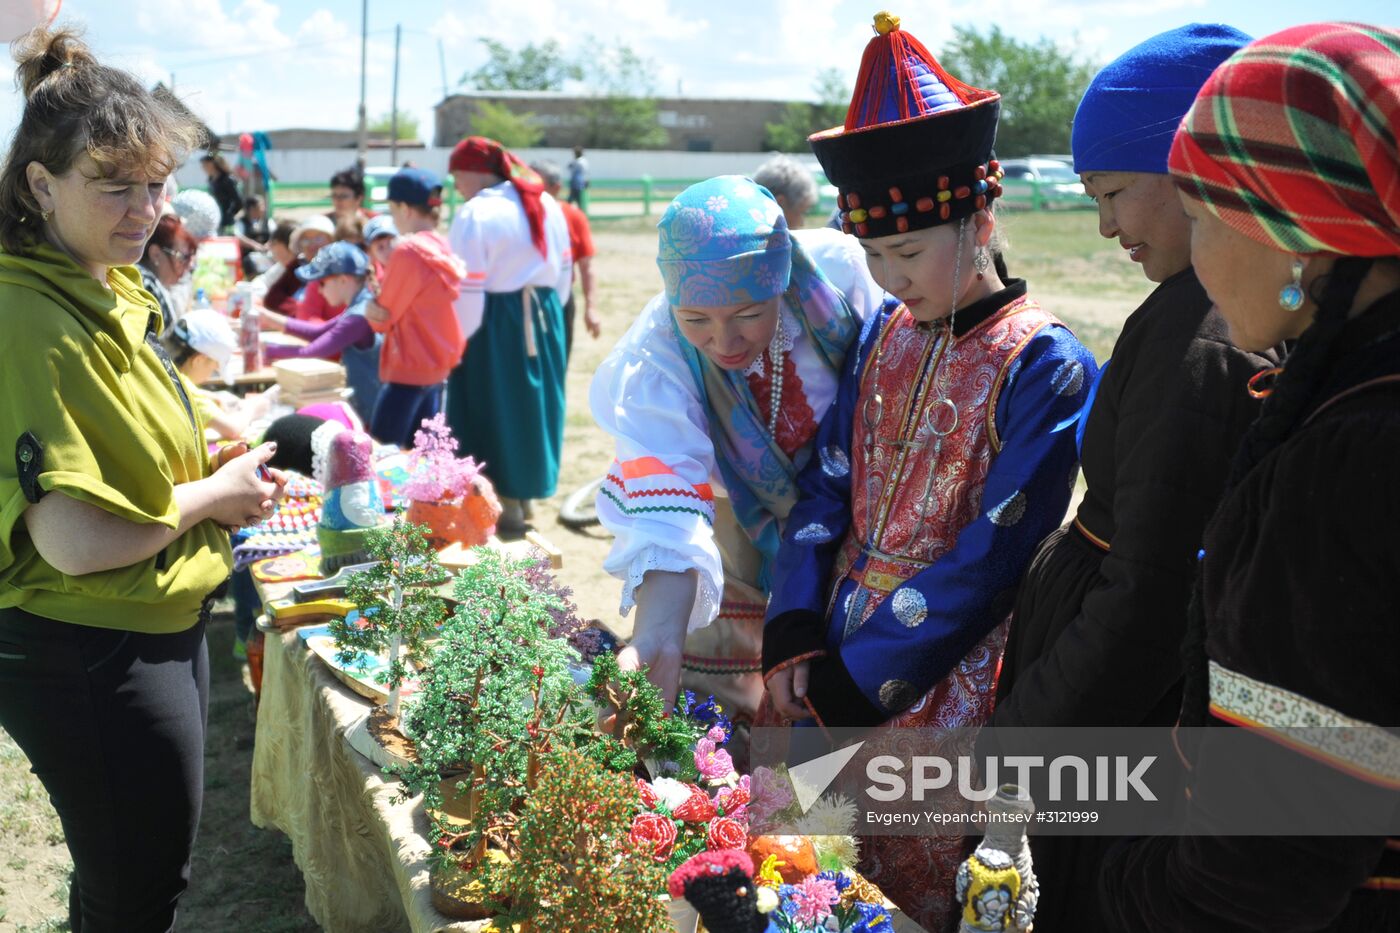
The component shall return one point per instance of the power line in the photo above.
(243, 55)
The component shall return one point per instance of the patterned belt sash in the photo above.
(883, 572)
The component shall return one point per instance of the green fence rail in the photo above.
(647, 196)
(298, 196)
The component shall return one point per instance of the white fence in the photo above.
(307, 165)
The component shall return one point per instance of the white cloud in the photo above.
(322, 26)
(648, 26)
(204, 24)
(451, 30)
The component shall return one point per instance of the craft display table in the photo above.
(362, 854)
(362, 851)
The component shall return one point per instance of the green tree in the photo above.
(408, 124)
(802, 119)
(542, 67)
(620, 111)
(1040, 86)
(510, 129)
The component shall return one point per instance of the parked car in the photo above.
(377, 183)
(826, 191)
(1041, 182)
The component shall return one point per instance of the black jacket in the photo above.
(1301, 589)
(1171, 408)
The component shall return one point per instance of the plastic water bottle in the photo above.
(250, 339)
(201, 300)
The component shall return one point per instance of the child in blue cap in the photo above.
(343, 270)
(1099, 620)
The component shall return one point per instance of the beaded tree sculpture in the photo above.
(574, 869)
(497, 676)
(448, 492)
(397, 605)
(642, 722)
(500, 701)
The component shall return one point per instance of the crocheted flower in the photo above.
(813, 899)
(770, 795)
(725, 833)
(711, 713)
(873, 919)
(698, 808)
(731, 799)
(839, 850)
(644, 791)
(712, 763)
(655, 832)
(832, 815)
(672, 793)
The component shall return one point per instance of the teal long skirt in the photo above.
(506, 407)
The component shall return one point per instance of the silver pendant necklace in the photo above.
(932, 424)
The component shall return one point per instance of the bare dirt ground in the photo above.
(244, 878)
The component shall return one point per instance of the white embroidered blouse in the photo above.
(643, 394)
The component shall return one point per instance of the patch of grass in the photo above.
(24, 807)
(49, 925)
(1062, 251)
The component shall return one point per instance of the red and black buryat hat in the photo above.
(916, 148)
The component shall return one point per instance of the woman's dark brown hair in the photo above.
(74, 105)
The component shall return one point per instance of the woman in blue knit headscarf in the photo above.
(713, 397)
(1096, 634)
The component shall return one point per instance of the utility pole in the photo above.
(394, 110)
(442, 66)
(364, 119)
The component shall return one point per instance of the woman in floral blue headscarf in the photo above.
(714, 396)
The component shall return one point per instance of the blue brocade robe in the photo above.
(941, 465)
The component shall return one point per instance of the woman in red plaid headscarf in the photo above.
(1288, 167)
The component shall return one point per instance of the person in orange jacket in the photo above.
(423, 340)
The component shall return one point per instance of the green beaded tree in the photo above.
(499, 691)
(398, 607)
(641, 724)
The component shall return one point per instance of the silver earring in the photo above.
(1290, 297)
(981, 259)
(45, 215)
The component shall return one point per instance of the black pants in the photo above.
(113, 723)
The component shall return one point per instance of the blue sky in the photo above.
(267, 64)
